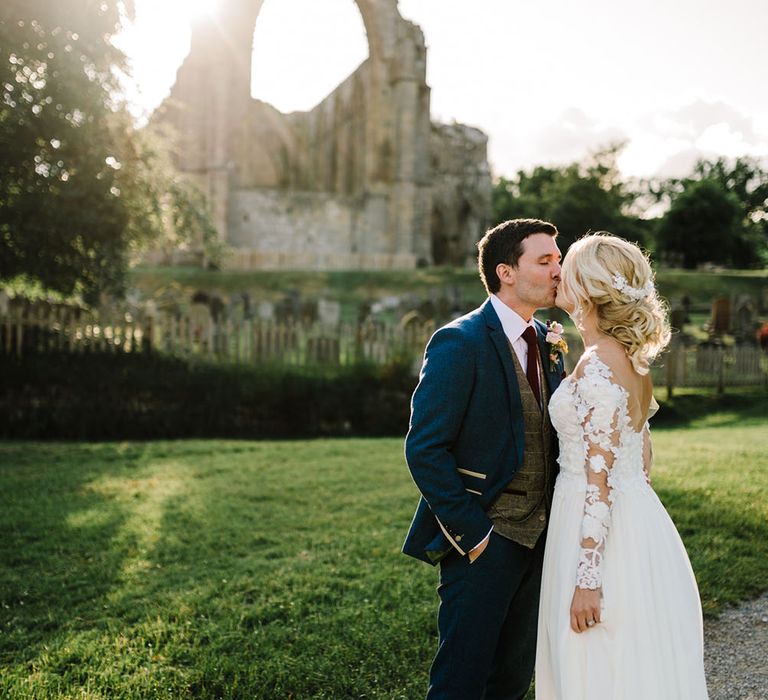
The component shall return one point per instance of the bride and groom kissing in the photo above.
(555, 554)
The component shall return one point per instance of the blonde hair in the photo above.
(614, 277)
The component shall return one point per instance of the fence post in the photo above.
(671, 361)
(19, 332)
(720, 370)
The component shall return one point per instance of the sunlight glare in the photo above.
(303, 49)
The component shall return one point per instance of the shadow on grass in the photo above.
(251, 569)
(58, 552)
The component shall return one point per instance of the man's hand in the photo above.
(585, 609)
(475, 552)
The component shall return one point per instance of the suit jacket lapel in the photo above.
(499, 339)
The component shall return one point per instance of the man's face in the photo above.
(535, 279)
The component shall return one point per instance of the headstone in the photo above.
(247, 305)
(427, 309)
(411, 318)
(721, 316)
(744, 319)
(201, 297)
(288, 308)
(217, 308)
(236, 308)
(265, 310)
(677, 318)
(387, 303)
(308, 311)
(328, 312)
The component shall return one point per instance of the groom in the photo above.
(482, 452)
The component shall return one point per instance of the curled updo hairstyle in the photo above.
(634, 315)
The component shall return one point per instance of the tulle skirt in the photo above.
(650, 642)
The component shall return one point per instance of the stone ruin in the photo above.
(365, 180)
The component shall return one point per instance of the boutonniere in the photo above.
(557, 344)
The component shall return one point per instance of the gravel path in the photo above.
(736, 653)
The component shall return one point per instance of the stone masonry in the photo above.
(362, 181)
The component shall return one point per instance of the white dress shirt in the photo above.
(514, 326)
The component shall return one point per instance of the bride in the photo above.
(620, 616)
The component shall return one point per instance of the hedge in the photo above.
(146, 396)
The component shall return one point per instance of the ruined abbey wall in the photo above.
(352, 183)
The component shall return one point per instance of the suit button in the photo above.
(542, 518)
(458, 538)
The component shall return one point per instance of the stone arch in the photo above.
(356, 167)
(376, 15)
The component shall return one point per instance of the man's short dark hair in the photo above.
(504, 244)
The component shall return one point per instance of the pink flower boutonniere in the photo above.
(557, 344)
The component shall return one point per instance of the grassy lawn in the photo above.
(354, 287)
(225, 569)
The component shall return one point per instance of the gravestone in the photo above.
(721, 316)
(265, 310)
(328, 312)
(288, 308)
(744, 320)
(677, 318)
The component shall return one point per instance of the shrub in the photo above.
(145, 396)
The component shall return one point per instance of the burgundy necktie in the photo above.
(532, 368)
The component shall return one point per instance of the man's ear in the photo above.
(506, 273)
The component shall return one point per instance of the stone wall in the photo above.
(461, 195)
(359, 171)
(316, 230)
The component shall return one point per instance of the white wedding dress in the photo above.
(609, 530)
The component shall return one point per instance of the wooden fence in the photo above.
(717, 367)
(313, 343)
(246, 341)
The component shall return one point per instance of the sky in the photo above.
(547, 80)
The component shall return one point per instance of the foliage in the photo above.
(577, 198)
(702, 225)
(239, 569)
(718, 214)
(101, 396)
(80, 188)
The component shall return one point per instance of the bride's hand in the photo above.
(585, 608)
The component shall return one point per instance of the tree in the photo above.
(701, 225)
(80, 188)
(745, 179)
(746, 183)
(577, 198)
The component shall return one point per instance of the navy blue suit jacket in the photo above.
(466, 436)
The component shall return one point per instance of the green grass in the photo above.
(353, 287)
(225, 569)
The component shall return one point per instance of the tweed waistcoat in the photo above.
(520, 512)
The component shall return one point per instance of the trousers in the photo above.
(487, 622)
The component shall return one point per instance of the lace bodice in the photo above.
(599, 446)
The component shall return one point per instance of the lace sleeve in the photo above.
(603, 408)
